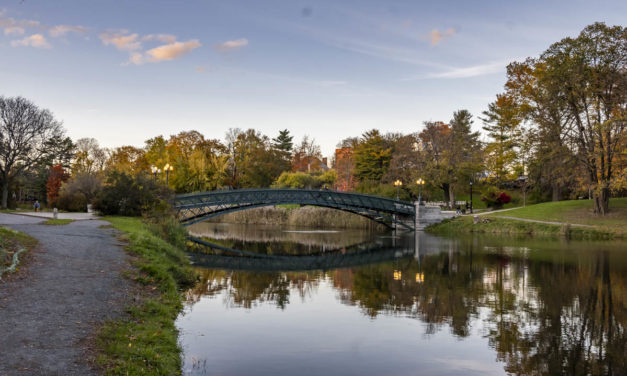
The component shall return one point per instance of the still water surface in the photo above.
(357, 303)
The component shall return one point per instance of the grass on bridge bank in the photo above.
(577, 212)
(10, 243)
(146, 341)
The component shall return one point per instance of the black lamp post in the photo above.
(471, 197)
(420, 183)
(155, 171)
(168, 168)
(398, 184)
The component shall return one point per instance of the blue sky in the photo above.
(125, 71)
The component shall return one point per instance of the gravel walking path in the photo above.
(71, 285)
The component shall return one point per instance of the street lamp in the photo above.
(155, 171)
(420, 183)
(471, 197)
(398, 185)
(167, 168)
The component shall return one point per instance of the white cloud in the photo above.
(171, 51)
(61, 30)
(121, 40)
(17, 27)
(35, 40)
(231, 44)
(164, 38)
(14, 30)
(435, 36)
(473, 71)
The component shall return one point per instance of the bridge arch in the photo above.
(197, 207)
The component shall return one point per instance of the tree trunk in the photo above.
(451, 196)
(556, 192)
(5, 193)
(602, 201)
(445, 188)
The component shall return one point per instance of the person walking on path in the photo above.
(36, 205)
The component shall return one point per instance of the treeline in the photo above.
(557, 131)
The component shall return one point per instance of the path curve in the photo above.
(545, 222)
(50, 310)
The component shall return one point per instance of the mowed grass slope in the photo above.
(146, 341)
(575, 212)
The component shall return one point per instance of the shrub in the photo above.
(494, 198)
(128, 195)
(77, 192)
(168, 228)
(312, 180)
(72, 202)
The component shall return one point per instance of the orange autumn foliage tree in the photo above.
(56, 178)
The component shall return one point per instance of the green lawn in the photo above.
(576, 212)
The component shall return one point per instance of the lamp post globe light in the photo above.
(420, 183)
(398, 185)
(167, 168)
(155, 171)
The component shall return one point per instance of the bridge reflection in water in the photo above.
(383, 249)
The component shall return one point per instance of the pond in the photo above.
(359, 303)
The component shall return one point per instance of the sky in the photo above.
(126, 71)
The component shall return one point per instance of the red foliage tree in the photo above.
(56, 177)
(504, 198)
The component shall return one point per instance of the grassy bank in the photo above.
(307, 216)
(11, 244)
(573, 213)
(576, 212)
(501, 226)
(145, 342)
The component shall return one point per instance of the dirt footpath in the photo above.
(51, 308)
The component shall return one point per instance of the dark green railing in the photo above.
(197, 207)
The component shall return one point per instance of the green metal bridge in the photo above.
(197, 207)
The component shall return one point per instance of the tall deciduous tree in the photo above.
(56, 177)
(128, 159)
(28, 136)
(546, 142)
(435, 147)
(89, 157)
(590, 71)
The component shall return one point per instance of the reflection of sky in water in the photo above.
(465, 306)
(318, 335)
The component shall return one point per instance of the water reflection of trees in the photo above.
(249, 289)
(541, 316)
